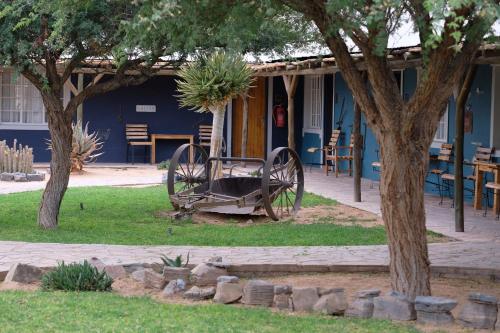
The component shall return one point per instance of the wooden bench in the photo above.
(137, 135)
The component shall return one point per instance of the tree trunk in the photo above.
(60, 168)
(459, 147)
(216, 138)
(404, 164)
(358, 143)
(244, 129)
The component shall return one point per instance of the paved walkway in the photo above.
(439, 218)
(456, 254)
(480, 247)
(96, 175)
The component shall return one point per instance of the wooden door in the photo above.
(256, 121)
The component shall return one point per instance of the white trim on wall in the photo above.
(270, 97)
(24, 127)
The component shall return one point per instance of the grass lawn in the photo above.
(127, 216)
(104, 312)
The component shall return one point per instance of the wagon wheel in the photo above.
(185, 172)
(282, 183)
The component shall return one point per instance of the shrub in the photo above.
(163, 165)
(76, 277)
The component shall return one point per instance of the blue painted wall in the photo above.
(117, 108)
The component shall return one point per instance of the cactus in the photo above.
(15, 160)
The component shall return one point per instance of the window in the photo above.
(441, 135)
(314, 101)
(20, 102)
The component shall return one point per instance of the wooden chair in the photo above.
(137, 135)
(330, 152)
(495, 188)
(483, 154)
(205, 135)
(441, 174)
(333, 153)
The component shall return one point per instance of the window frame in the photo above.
(43, 126)
(314, 98)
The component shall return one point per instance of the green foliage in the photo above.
(213, 80)
(107, 312)
(163, 165)
(76, 277)
(177, 262)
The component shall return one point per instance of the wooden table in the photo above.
(481, 168)
(155, 137)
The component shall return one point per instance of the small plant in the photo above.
(163, 165)
(177, 262)
(255, 173)
(76, 277)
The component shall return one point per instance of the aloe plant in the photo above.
(177, 262)
(84, 146)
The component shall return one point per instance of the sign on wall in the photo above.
(145, 108)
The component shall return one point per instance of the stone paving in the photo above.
(440, 218)
(455, 254)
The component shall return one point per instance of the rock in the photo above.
(304, 299)
(174, 287)
(435, 318)
(23, 273)
(360, 308)
(368, 293)
(282, 289)
(258, 292)
(97, 263)
(434, 310)
(206, 274)
(497, 326)
(222, 264)
(215, 259)
(115, 271)
(482, 298)
(197, 293)
(20, 177)
(434, 304)
(228, 279)
(394, 306)
(478, 315)
(6, 177)
(153, 280)
(175, 273)
(333, 303)
(283, 302)
(138, 275)
(228, 292)
(326, 291)
(35, 177)
(164, 178)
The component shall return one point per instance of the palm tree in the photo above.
(209, 83)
